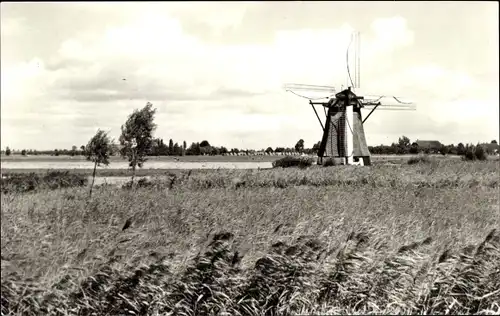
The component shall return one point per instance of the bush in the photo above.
(480, 153)
(475, 153)
(289, 161)
(26, 182)
(469, 155)
(444, 150)
(329, 162)
(141, 183)
(419, 159)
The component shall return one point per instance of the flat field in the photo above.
(162, 164)
(391, 238)
(216, 158)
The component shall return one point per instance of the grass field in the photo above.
(412, 239)
(111, 171)
(218, 158)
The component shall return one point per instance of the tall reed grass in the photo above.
(411, 239)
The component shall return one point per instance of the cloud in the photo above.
(12, 26)
(172, 61)
(201, 87)
(391, 30)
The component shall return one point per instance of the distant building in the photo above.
(431, 146)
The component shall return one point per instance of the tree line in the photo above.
(157, 146)
(404, 146)
(160, 148)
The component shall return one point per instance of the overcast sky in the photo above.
(215, 70)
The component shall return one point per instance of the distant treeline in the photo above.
(160, 148)
(404, 146)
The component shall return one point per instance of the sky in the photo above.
(215, 70)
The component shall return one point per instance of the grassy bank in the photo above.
(429, 173)
(35, 181)
(386, 239)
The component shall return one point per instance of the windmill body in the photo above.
(343, 131)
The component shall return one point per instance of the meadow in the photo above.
(391, 238)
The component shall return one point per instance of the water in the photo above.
(119, 180)
(124, 165)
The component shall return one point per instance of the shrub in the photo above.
(26, 182)
(289, 161)
(475, 153)
(329, 162)
(444, 150)
(419, 159)
(141, 183)
(480, 153)
(469, 155)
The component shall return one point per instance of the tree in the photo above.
(171, 147)
(137, 137)
(494, 142)
(269, 150)
(316, 146)
(204, 143)
(194, 149)
(98, 151)
(461, 149)
(452, 150)
(404, 141)
(23, 152)
(222, 150)
(56, 152)
(479, 153)
(300, 145)
(73, 150)
(161, 149)
(7, 151)
(184, 146)
(176, 150)
(444, 150)
(403, 145)
(214, 151)
(82, 148)
(414, 148)
(205, 150)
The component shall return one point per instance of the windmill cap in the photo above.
(347, 92)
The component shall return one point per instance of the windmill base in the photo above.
(359, 161)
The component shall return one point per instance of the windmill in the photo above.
(343, 132)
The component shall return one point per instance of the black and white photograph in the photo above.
(250, 158)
